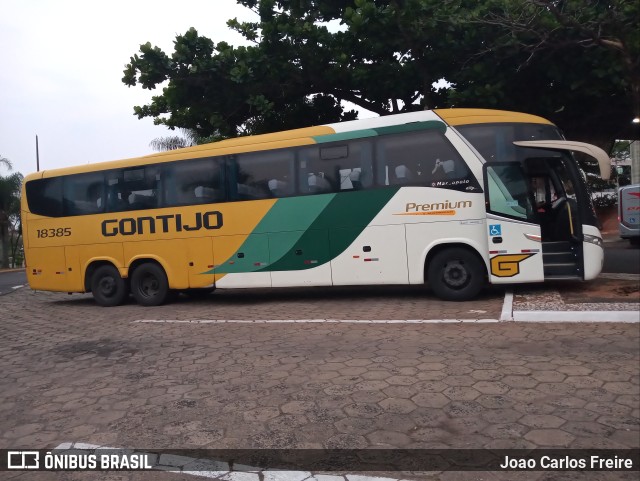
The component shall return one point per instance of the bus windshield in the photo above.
(495, 141)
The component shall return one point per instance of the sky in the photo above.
(61, 65)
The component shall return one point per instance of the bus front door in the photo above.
(513, 232)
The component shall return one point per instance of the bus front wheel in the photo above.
(149, 284)
(107, 287)
(456, 274)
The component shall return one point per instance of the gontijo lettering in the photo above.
(165, 223)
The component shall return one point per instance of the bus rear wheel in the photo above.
(149, 285)
(456, 274)
(107, 287)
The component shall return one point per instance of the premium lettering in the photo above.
(162, 223)
(446, 205)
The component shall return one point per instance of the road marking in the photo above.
(507, 316)
(18, 287)
(307, 321)
(205, 468)
(507, 307)
(576, 316)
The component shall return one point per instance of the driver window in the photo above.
(508, 192)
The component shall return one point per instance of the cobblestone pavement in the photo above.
(75, 372)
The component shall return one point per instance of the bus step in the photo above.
(561, 269)
(557, 246)
(562, 278)
(550, 258)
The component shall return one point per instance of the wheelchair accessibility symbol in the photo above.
(495, 230)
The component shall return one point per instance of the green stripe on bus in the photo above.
(285, 222)
(412, 127)
(293, 213)
(392, 129)
(350, 211)
(342, 136)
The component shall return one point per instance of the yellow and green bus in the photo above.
(454, 198)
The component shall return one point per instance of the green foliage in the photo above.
(573, 62)
(576, 63)
(605, 201)
(10, 187)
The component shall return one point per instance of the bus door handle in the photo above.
(497, 240)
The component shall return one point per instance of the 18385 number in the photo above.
(59, 232)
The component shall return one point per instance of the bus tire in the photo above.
(107, 287)
(149, 284)
(456, 274)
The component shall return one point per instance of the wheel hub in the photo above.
(455, 274)
(107, 286)
(149, 286)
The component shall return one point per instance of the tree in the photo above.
(576, 62)
(220, 91)
(6, 162)
(10, 187)
(573, 61)
(15, 240)
(162, 144)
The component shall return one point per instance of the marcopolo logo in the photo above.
(162, 223)
(436, 208)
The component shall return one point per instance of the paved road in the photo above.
(620, 256)
(76, 372)
(10, 280)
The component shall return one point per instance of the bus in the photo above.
(629, 213)
(455, 199)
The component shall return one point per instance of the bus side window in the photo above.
(262, 175)
(418, 158)
(83, 194)
(44, 196)
(338, 167)
(141, 188)
(189, 182)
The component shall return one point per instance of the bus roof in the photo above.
(455, 117)
(306, 136)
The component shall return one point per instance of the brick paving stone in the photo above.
(505, 431)
(621, 388)
(390, 438)
(498, 416)
(611, 375)
(549, 437)
(368, 396)
(490, 387)
(398, 406)
(458, 393)
(541, 421)
(520, 381)
(492, 401)
(83, 372)
(433, 400)
(583, 382)
(626, 423)
(486, 374)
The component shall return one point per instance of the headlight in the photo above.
(592, 239)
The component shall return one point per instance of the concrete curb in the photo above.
(576, 316)
(508, 314)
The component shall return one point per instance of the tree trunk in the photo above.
(4, 234)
